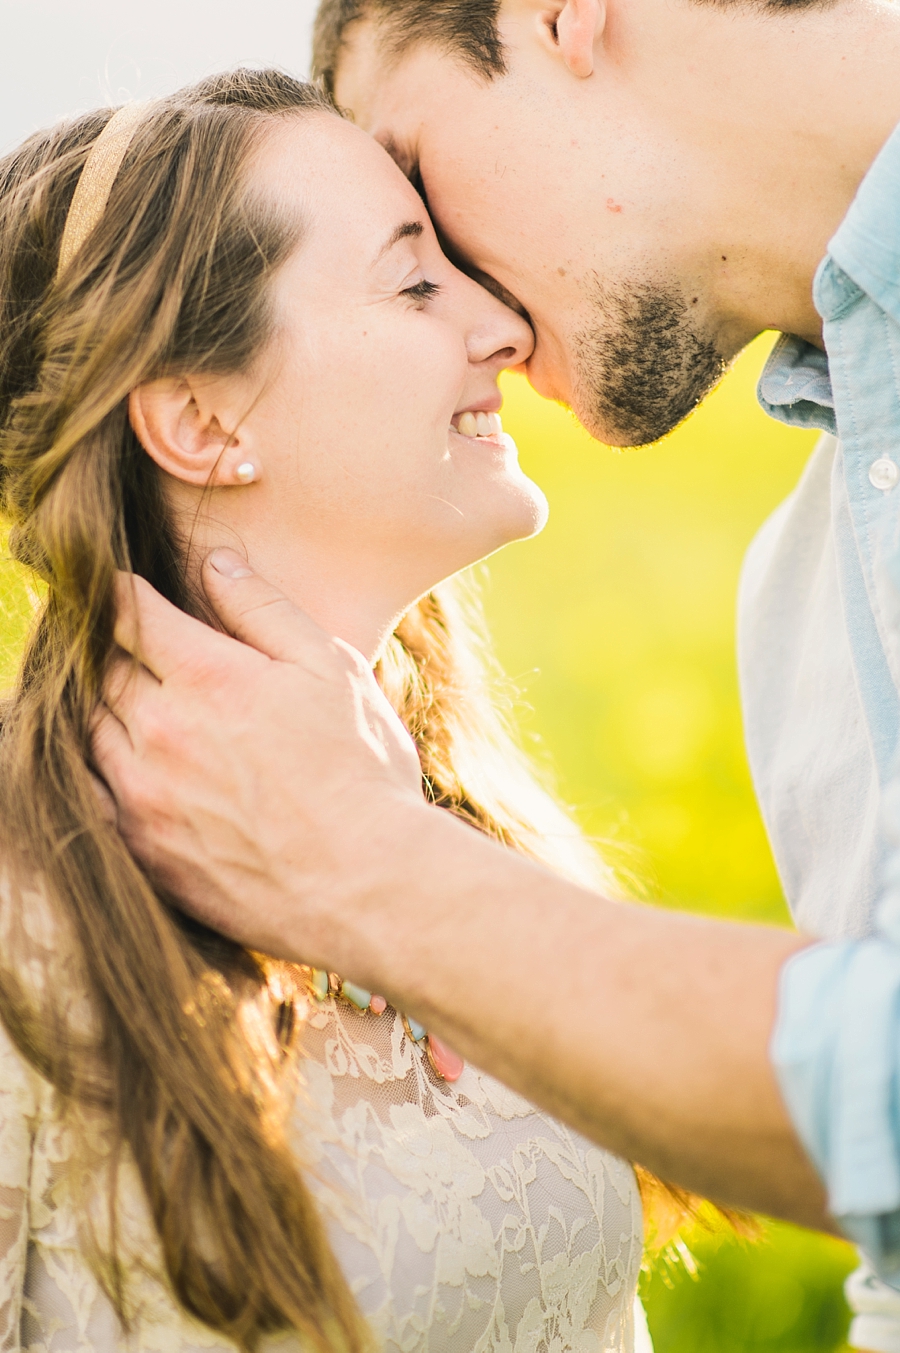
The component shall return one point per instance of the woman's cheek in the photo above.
(426, 358)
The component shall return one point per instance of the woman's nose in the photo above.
(497, 335)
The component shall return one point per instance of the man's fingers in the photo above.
(260, 615)
(126, 684)
(105, 801)
(111, 747)
(153, 630)
(166, 641)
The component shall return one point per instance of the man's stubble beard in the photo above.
(643, 366)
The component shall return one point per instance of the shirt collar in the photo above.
(795, 386)
(866, 245)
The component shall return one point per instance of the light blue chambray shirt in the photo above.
(819, 642)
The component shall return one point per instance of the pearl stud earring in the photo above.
(246, 473)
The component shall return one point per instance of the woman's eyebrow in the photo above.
(409, 229)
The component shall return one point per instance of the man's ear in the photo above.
(573, 27)
(180, 431)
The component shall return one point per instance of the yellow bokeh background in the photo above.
(618, 626)
(618, 623)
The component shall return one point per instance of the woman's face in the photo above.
(359, 417)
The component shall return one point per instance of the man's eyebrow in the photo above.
(406, 161)
(408, 230)
(403, 158)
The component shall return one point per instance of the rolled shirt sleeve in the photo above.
(836, 1052)
(836, 1043)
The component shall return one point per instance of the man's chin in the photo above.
(644, 366)
(633, 432)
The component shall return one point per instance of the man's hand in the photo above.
(252, 779)
(269, 787)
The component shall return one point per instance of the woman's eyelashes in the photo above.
(422, 291)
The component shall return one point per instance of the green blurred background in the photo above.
(617, 624)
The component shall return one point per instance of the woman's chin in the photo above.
(540, 508)
(522, 514)
(527, 510)
(483, 522)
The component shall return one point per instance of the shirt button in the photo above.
(884, 473)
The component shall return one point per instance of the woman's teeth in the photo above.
(479, 424)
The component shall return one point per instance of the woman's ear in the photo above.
(180, 431)
(574, 27)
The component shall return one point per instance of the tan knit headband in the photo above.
(97, 178)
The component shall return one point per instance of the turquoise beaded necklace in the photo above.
(446, 1063)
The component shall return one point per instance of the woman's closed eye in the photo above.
(422, 291)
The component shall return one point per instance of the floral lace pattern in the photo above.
(466, 1220)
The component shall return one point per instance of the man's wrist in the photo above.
(364, 908)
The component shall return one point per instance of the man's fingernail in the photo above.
(230, 564)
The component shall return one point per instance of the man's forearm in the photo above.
(646, 1029)
(268, 786)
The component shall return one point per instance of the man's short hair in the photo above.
(465, 29)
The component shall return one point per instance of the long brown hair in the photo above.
(175, 279)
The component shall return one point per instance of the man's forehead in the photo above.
(373, 89)
(366, 75)
(391, 95)
(424, 109)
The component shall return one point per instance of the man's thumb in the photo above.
(259, 614)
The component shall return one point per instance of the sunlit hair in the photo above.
(175, 278)
(186, 1044)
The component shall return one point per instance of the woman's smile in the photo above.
(234, 326)
(380, 464)
(478, 425)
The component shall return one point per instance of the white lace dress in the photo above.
(464, 1218)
